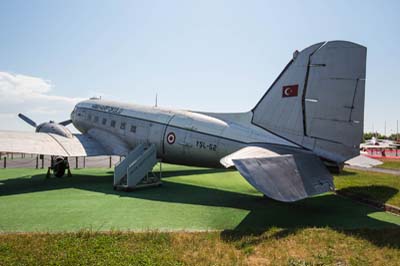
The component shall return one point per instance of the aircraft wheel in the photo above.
(59, 167)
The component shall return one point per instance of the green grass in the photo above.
(390, 164)
(383, 188)
(190, 199)
(323, 230)
(274, 246)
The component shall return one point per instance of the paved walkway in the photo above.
(375, 169)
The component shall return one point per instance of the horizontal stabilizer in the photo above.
(363, 161)
(247, 152)
(288, 177)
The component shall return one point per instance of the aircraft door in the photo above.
(156, 135)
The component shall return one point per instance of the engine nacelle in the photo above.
(54, 128)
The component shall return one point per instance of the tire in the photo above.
(59, 167)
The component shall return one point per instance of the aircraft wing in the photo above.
(50, 144)
(286, 177)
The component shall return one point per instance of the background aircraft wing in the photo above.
(50, 144)
(287, 177)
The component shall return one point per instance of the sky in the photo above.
(199, 55)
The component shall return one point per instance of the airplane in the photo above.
(375, 143)
(310, 119)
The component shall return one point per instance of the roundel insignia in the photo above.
(171, 138)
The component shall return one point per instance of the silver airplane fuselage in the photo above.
(181, 137)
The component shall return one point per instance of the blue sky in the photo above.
(201, 55)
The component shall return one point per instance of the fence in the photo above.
(13, 160)
(384, 152)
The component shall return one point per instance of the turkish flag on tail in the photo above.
(290, 90)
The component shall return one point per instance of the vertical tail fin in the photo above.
(318, 100)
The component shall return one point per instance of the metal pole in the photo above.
(5, 162)
(76, 162)
(42, 162)
(385, 128)
(84, 162)
(110, 161)
(37, 161)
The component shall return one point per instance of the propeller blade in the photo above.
(66, 122)
(27, 120)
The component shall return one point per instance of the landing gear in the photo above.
(58, 167)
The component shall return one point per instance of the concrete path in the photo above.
(375, 169)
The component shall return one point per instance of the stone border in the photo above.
(382, 206)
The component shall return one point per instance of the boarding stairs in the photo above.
(135, 170)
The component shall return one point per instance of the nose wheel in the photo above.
(58, 167)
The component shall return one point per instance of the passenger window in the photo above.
(112, 123)
(104, 121)
(133, 129)
(122, 125)
(96, 119)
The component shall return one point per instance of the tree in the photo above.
(369, 135)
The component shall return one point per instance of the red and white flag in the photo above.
(290, 90)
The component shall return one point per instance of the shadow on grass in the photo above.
(168, 173)
(327, 210)
(346, 173)
(380, 194)
(187, 172)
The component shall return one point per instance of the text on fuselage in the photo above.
(203, 145)
(107, 108)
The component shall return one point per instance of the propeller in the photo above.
(33, 123)
(27, 120)
(66, 122)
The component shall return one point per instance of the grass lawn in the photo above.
(252, 230)
(190, 199)
(303, 246)
(390, 164)
(379, 187)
